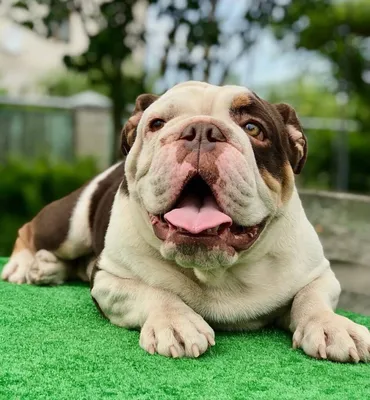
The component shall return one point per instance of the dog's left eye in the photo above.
(156, 124)
(253, 130)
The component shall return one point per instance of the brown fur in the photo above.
(296, 158)
(284, 188)
(24, 239)
(51, 224)
(240, 101)
(128, 134)
(101, 204)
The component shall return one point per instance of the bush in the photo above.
(26, 188)
(320, 169)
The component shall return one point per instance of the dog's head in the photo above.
(210, 167)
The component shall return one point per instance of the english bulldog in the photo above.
(199, 228)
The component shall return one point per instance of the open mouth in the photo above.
(196, 217)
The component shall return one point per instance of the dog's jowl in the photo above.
(200, 227)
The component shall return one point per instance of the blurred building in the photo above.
(25, 56)
(61, 128)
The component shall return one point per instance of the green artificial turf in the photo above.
(55, 345)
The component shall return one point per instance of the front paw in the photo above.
(333, 337)
(176, 333)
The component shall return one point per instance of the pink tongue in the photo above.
(196, 216)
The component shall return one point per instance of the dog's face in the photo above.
(211, 167)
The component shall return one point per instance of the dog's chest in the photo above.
(244, 298)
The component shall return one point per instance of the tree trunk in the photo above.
(117, 128)
(117, 112)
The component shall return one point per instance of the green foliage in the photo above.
(310, 99)
(26, 188)
(338, 30)
(319, 171)
(67, 83)
(112, 42)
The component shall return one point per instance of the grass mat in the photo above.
(55, 345)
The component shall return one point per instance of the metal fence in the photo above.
(33, 133)
(60, 128)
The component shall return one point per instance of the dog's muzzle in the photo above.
(196, 217)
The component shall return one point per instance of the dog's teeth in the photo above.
(212, 231)
(253, 233)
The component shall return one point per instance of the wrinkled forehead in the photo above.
(203, 98)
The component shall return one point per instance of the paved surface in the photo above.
(355, 282)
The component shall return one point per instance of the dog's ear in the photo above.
(297, 152)
(128, 133)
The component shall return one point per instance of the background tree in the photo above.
(201, 42)
(114, 31)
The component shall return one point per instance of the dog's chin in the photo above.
(197, 255)
(210, 248)
(205, 251)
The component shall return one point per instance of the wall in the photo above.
(342, 222)
(93, 135)
(59, 127)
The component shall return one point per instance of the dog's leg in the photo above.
(58, 243)
(42, 267)
(47, 246)
(319, 331)
(168, 326)
(22, 257)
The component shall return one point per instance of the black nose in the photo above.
(203, 132)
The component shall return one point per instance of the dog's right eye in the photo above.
(156, 124)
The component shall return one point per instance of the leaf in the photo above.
(28, 24)
(21, 4)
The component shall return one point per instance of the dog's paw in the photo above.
(17, 268)
(176, 333)
(333, 337)
(47, 269)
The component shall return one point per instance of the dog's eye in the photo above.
(156, 124)
(253, 130)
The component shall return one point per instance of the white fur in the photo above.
(164, 318)
(272, 265)
(47, 269)
(16, 269)
(297, 137)
(42, 268)
(284, 277)
(138, 287)
(78, 241)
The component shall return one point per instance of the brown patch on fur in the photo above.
(287, 184)
(240, 101)
(207, 166)
(201, 152)
(284, 148)
(101, 205)
(202, 161)
(297, 151)
(272, 183)
(270, 154)
(128, 134)
(51, 224)
(24, 239)
(283, 188)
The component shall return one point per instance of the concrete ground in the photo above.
(355, 282)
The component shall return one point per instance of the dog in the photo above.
(199, 228)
